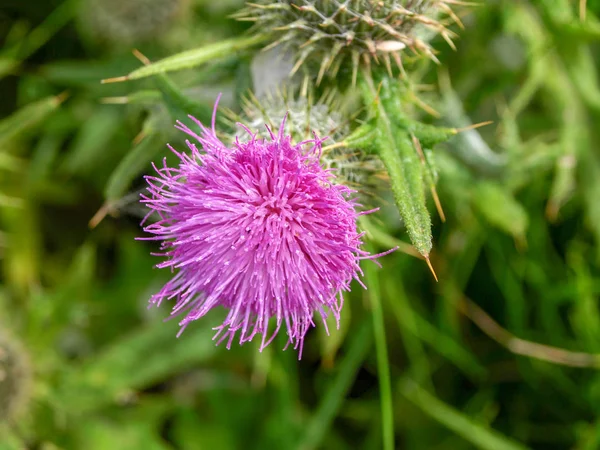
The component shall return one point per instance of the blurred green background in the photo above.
(502, 353)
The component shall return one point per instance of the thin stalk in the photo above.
(332, 401)
(383, 366)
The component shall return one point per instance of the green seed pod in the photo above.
(359, 31)
(15, 378)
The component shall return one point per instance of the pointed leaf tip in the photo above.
(431, 268)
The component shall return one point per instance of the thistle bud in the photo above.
(336, 32)
(305, 119)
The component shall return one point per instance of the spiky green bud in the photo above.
(336, 32)
(305, 118)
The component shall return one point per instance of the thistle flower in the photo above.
(331, 31)
(261, 229)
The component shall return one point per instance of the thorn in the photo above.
(115, 100)
(367, 63)
(379, 86)
(452, 15)
(430, 267)
(438, 204)
(299, 62)
(388, 64)
(334, 146)
(473, 127)
(115, 79)
(424, 87)
(139, 137)
(99, 216)
(61, 97)
(448, 40)
(355, 63)
(434, 194)
(424, 106)
(322, 69)
(139, 55)
(398, 60)
(305, 83)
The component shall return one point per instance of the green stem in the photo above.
(328, 409)
(383, 366)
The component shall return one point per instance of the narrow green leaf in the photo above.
(405, 171)
(12, 57)
(180, 105)
(402, 163)
(585, 317)
(147, 356)
(132, 165)
(49, 313)
(477, 434)
(103, 434)
(412, 323)
(501, 209)
(383, 363)
(195, 57)
(191, 430)
(468, 145)
(91, 140)
(591, 194)
(145, 96)
(43, 157)
(332, 338)
(27, 118)
(333, 398)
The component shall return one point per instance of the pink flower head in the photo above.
(260, 229)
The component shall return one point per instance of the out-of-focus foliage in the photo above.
(501, 353)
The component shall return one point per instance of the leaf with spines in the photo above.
(192, 58)
(429, 174)
(178, 104)
(395, 148)
(408, 186)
